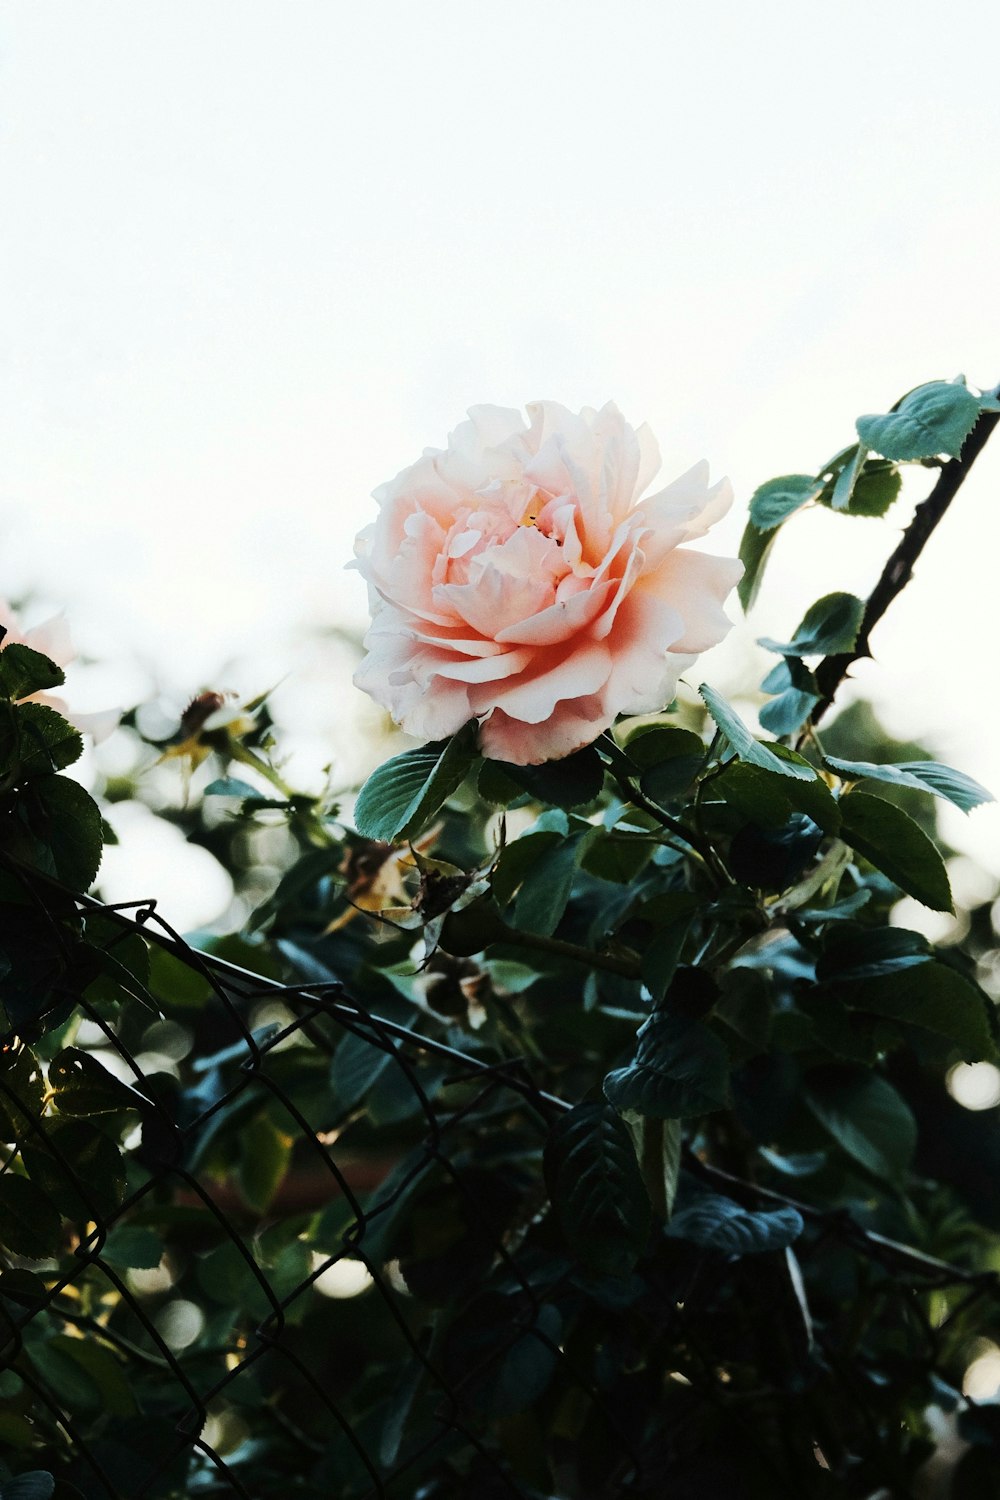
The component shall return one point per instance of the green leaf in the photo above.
(935, 418)
(35, 740)
(546, 889)
(67, 822)
(890, 840)
(852, 953)
(81, 1171)
(659, 959)
(776, 500)
(83, 1086)
(867, 1118)
(401, 797)
(755, 548)
(265, 1155)
(22, 1091)
(717, 1223)
(787, 713)
(828, 626)
(23, 672)
(230, 786)
(746, 747)
(133, 1247)
(874, 490)
(177, 985)
(596, 1188)
(357, 1065)
(680, 1068)
(843, 486)
(923, 775)
(34, 1484)
(103, 1368)
(29, 1225)
(936, 997)
(668, 759)
(571, 782)
(496, 787)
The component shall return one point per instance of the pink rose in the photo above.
(52, 638)
(516, 577)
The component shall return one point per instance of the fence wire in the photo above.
(327, 1305)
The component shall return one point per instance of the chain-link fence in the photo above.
(270, 1242)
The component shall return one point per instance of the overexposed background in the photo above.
(257, 255)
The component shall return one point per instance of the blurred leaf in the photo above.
(717, 1223)
(357, 1064)
(890, 840)
(596, 1187)
(679, 1068)
(175, 984)
(33, 1484)
(78, 1168)
(403, 795)
(934, 418)
(265, 1154)
(923, 775)
(29, 1225)
(230, 786)
(132, 1247)
(867, 1118)
(103, 1368)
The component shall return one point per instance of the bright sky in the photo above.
(257, 255)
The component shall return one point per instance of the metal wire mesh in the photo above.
(273, 1353)
(196, 1386)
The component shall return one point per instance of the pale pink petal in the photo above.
(697, 585)
(486, 669)
(576, 674)
(559, 621)
(52, 638)
(645, 671)
(570, 727)
(495, 601)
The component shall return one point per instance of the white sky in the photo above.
(256, 255)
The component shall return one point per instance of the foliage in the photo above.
(618, 1077)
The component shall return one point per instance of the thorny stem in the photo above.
(623, 773)
(559, 948)
(899, 569)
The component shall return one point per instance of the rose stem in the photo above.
(899, 569)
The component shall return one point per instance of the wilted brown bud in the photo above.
(199, 711)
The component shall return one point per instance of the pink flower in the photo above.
(516, 577)
(52, 638)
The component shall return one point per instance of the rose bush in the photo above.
(517, 577)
